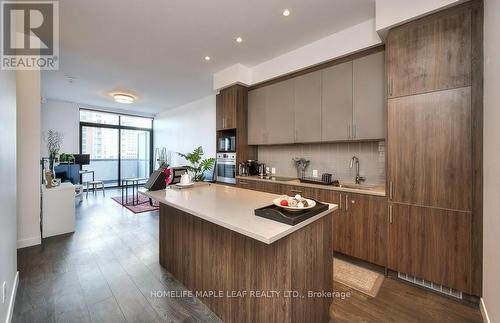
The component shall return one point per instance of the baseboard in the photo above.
(484, 312)
(10, 310)
(29, 242)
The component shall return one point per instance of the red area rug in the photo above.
(142, 206)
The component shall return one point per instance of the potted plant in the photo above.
(198, 165)
(67, 158)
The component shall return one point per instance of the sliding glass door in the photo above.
(120, 147)
(102, 146)
(135, 154)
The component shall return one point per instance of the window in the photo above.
(119, 146)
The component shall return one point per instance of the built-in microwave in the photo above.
(227, 144)
(226, 168)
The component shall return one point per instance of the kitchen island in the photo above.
(243, 267)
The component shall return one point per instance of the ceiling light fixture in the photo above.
(123, 98)
(207, 58)
(239, 39)
(286, 12)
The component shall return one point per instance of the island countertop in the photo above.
(232, 208)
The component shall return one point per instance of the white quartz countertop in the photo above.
(232, 208)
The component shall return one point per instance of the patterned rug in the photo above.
(142, 206)
(356, 277)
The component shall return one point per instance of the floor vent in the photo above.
(430, 285)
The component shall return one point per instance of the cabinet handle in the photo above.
(390, 190)
(390, 86)
(346, 202)
(243, 183)
(390, 213)
(340, 200)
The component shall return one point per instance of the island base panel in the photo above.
(208, 258)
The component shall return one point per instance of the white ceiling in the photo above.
(154, 49)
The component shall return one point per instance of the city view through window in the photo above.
(119, 146)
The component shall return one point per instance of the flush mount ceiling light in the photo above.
(286, 12)
(123, 98)
(239, 39)
(207, 58)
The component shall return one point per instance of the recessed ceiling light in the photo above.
(207, 58)
(123, 98)
(286, 12)
(239, 39)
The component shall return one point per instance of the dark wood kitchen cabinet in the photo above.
(359, 225)
(434, 147)
(429, 149)
(429, 243)
(226, 108)
(431, 54)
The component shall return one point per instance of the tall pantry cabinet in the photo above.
(434, 153)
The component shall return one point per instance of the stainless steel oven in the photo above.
(226, 168)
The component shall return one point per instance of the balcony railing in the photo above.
(106, 170)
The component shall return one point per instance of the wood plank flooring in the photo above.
(108, 271)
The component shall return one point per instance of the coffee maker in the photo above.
(248, 168)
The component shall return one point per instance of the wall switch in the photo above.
(4, 291)
(315, 173)
(273, 170)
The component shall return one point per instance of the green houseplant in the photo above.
(198, 165)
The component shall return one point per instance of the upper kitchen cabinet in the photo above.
(429, 149)
(226, 106)
(257, 128)
(307, 107)
(336, 102)
(369, 100)
(430, 54)
(270, 114)
(279, 113)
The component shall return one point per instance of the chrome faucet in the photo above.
(355, 161)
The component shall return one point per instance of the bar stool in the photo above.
(95, 185)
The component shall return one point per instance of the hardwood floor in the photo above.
(106, 272)
(399, 302)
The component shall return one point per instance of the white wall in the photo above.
(342, 43)
(390, 13)
(28, 158)
(186, 127)
(8, 254)
(63, 117)
(491, 212)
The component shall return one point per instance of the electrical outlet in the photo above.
(4, 291)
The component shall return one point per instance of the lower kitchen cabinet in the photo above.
(432, 244)
(247, 184)
(359, 225)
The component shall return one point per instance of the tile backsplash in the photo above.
(331, 158)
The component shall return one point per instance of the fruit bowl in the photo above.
(279, 202)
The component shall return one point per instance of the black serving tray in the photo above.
(276, 213)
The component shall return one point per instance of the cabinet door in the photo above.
(307, 107)
(430, 54)
(336, 106)
(429, 149)
(307, 192)
(250, 185)
(256, 116)
(369, 101)
(432, 244)
(368, 216)
(273, 188)
(279, 113)
(226, 104)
